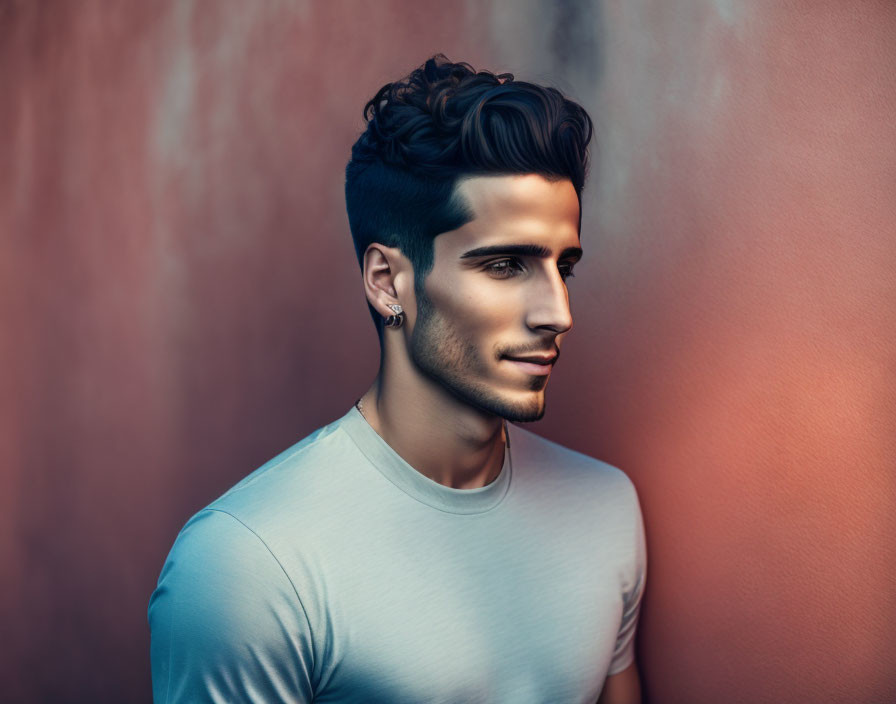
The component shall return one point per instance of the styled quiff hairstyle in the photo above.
(446, 121)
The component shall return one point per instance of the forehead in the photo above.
(515, 209)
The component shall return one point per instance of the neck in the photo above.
(441, 437)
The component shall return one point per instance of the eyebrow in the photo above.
(523, 250)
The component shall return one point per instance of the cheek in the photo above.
(475, 303)
(478, 323)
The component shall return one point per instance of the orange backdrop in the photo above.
(180, 301)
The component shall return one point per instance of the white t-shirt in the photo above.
(337, 572)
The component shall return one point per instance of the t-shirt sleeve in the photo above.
(624, 653)
(226, 623)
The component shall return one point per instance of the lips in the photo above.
(538, 367)
(534, 360)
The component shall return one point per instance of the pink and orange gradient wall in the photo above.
(180, 302)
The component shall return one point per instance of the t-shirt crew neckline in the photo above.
(417, 485)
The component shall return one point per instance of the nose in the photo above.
(549, 304)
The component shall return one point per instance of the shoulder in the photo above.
(215, 544)
(272, 517)
(225, 618)
(294, 485)
(217, 562)
(599, 499)
(549, 461)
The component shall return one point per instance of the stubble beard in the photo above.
(444, 356)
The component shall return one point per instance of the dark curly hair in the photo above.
(444, 121)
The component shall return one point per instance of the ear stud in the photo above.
(394, 321)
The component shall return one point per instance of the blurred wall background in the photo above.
(180, 301)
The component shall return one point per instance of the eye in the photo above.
(566, 271)
(505, 268)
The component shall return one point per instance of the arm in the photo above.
(622, 688)
(226, 623)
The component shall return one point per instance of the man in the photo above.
(419, 548)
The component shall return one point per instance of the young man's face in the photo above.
(481, 307)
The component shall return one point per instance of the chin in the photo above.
(526, 410)
(524, 413)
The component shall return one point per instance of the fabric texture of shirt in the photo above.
(336, 572)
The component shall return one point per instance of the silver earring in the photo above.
(394, 321)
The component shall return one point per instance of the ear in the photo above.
(388, 278)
